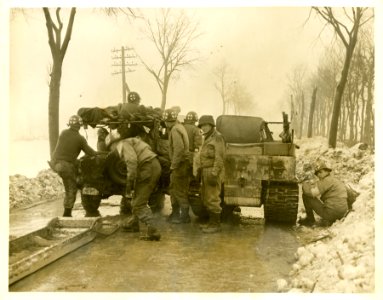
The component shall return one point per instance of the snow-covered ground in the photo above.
(340, 258)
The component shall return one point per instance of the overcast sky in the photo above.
(263, 44)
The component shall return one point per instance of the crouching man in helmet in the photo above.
(143, 173)
(212, 163)
(327, 197)
(64, 159)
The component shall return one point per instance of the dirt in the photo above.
(245, 257)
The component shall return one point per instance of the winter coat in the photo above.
(194, 135)
(178, 145)
(69, 146)
(331, 191)
(212, 153)
(135, 152)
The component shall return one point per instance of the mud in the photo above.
(244, 257)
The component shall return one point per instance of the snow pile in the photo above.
(340, 258)
(24, 191)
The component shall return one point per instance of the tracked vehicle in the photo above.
(259, 171)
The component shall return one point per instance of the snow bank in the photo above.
(340, 258)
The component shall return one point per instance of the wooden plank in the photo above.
(37, 249)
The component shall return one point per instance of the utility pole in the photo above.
(120, 56)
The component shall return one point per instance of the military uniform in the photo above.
(64, 160)
(143, 172)
(212, 157)
(327, 197)
(331, 201)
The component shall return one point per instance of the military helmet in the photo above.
(191, 117)
(206, 119)
(321, 165)
(170, 115)
(75, 120)
(133, 97)
(102, 131)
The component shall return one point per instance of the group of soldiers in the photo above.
(196, 150)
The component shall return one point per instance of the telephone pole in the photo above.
(120, 56)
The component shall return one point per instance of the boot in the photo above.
(125, 206)
(67, 212)
(309, 222)
(153, 233)
(92, 214)
(214, 224)
(175, 214)
(183, 217)
(130, 224)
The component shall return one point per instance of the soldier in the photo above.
(194, 133)
(101, 136)
(143, 172)
(126, 110)
(64, 160)
(179, 167)
(212, 163)
(327, 197)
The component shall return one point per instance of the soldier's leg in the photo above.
(212, 201)
(181, 191)
(147, 179)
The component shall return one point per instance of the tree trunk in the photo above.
(311, 115)
(338, 98)
(302, 115)
(54, 104)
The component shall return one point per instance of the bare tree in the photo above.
(222, 84)
(172, 36)
(296, 85)
(349, 37)
(58, 50)
(311, 114)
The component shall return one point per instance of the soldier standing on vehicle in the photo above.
(179, 167)
(143, 173)
(212, 163)
(64, 160)
(327, 197)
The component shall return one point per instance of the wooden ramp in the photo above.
(37, 249)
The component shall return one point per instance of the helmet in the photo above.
(191, 117)
(102, 131)
(321, 165)
(133, 97)
(206, 119)
(170, 115)
(75, 120)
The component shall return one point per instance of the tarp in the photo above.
(240, 129)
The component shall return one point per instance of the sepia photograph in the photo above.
(190, 149)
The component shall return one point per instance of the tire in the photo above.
(91, 203)
(116, 168)
(280, 202)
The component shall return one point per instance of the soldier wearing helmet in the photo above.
(64, 159)
(128, 109)
(179, 165)
(102, 133)
(211, 158)
(194, 133)
(327, 197)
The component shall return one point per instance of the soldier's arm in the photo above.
(219, 155)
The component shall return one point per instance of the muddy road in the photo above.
(245, 257)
